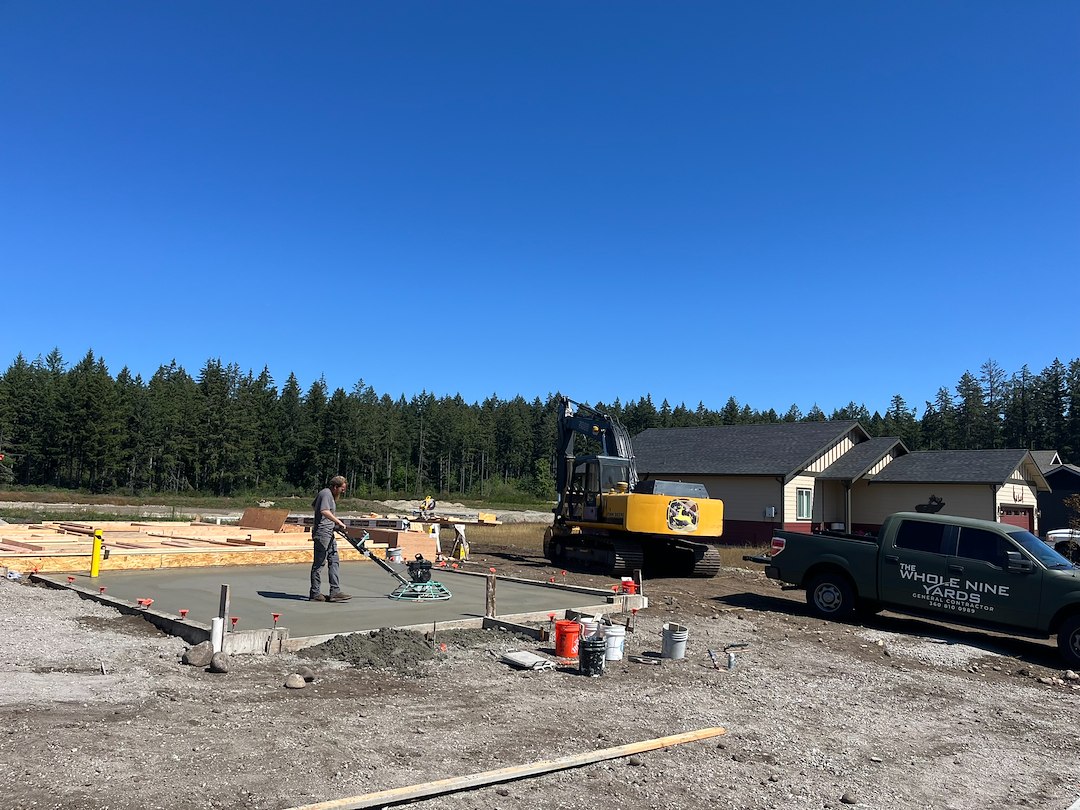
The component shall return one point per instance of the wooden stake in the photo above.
(414, 793)
(489, 596)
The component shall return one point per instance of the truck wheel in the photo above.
(830, 596)
(1069, 641)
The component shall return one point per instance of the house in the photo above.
(1064, 481)
(1001, 485)
(766, 474)
(806, 476)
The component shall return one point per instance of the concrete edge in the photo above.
(190, 631)
(269, 641)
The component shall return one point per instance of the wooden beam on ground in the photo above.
(384, 798)
(27, 546)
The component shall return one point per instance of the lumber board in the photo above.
(25, 546)
(454, 784)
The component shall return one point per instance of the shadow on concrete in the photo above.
(289, 597)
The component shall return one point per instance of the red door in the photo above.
(1022, 516)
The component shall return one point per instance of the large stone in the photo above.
(199, 655)
(219, 663)
(306, 673)
(295, 681)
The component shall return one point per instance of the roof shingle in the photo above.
(777, 449)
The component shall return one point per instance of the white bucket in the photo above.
(615, 636)
(675, 636)
(395, 555)
(589, 627)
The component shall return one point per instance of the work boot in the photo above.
(340, 596)
(317, 598)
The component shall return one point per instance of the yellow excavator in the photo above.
(608, 520)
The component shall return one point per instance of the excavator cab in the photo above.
(592, 478)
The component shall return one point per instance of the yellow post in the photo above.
(95, 560)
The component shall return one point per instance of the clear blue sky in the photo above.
(781, 202)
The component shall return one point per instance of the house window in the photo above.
(804, 504)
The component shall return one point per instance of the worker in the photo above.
(427, 507)
(325, 551)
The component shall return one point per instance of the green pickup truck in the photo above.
(960, 570)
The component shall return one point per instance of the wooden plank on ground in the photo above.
(385, 798)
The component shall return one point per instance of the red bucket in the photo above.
(567, 634)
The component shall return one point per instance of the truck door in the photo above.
(913, 565)
(988, 590)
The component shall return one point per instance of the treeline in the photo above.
(227, 432)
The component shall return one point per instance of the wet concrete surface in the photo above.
(257, 592)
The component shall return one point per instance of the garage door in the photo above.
(1021, 516)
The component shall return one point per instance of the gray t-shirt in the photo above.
(323, 529)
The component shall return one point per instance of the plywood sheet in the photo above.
(259, 518)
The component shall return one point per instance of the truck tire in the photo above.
(1068, 640)
(831, 596)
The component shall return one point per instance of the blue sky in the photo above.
(781, 202)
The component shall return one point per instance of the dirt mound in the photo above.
(406, 650)
(383, 649)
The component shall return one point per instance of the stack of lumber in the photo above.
(53, 547)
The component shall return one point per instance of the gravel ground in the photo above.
(98, 712)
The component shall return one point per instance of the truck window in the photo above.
(919, 536)
(979, 544)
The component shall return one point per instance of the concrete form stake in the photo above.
(489, 597)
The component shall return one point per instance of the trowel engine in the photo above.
(422, 588)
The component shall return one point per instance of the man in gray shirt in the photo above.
(326, 552)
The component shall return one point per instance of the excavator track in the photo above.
(627, 556)
(708, 565)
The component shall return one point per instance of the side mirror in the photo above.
(1017, 563)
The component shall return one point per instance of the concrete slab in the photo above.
(256, 592)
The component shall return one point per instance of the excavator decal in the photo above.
(682, 515)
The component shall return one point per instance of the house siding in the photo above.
(790, 504)
(1017, 492)
(871, 503)
(831, 455)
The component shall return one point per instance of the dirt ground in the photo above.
(96, 711)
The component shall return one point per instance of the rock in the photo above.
(1071, 676)
(636, 761)
(1047, 681)
(306, 673)
(199, 655)
(849, 798)
(219, 663)
(502, 791)
(295, 681)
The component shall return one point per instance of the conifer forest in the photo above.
(223, 431)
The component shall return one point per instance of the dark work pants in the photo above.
(325, 555)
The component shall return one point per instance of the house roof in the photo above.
(1062, 471)
(1046, 459)
(855, 462)
(783, 449)
(961, 467)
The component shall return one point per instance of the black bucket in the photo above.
(591, 652)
